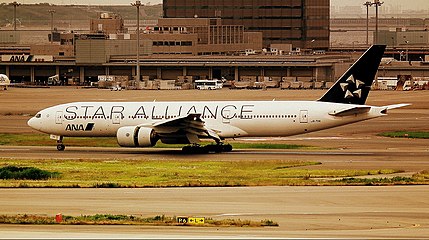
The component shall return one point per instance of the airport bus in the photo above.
(208, 84)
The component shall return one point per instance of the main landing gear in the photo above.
(197, 149)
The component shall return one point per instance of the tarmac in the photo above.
(302, 212)
(322, 212)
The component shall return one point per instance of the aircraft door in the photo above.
(303, 116)
(116, 118)
(226, 116)
(59, 117)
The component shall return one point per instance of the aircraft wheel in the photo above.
(195, 149)
(210, 148)
(202, 150)
(61, 147)
(227, 148)
(218, 148)
(187, 149)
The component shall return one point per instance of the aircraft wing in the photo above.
(192, 125)
(350, 111)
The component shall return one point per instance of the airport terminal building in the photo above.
(170, 49)
(184, 48)
(302, 23)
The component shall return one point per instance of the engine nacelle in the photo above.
(136, 137)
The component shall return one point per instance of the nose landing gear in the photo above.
(60, 145)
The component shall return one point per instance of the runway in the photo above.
(410, 159)
(340, 212)
(302, 212)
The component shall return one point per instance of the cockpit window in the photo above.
(38, 115)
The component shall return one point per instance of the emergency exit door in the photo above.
(59, 117)
(303, 116)
(116, 118)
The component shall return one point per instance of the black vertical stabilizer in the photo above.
(353, 87)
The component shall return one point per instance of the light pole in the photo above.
(406, 50)
(377, 4)
(137, 5)
(367, 4)
(353, 43)
(312, 44)
(14, 4)
(51, 11)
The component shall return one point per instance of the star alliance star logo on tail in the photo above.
(352, 88)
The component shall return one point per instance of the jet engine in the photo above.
(136, 136)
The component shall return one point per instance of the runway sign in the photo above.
(183, 220)
(191, 220)
(196, 220)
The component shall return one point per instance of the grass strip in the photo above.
(420, 178)
(175, 173)
(108, 219)
(405, 134)
(44, 140)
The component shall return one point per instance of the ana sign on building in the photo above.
(27, 58)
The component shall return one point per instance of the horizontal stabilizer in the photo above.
(350, 111)
(389, 107)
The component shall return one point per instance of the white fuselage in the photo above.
(229, 119)
(4, 80)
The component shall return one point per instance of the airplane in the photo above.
(4, 81)
(142, 124)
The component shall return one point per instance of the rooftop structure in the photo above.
(302, 23)
(107, 23)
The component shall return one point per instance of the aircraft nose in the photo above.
(33, 123)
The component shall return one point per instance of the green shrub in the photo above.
(269, 223)
(25, 173)
(107, 185)
(378, 181)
